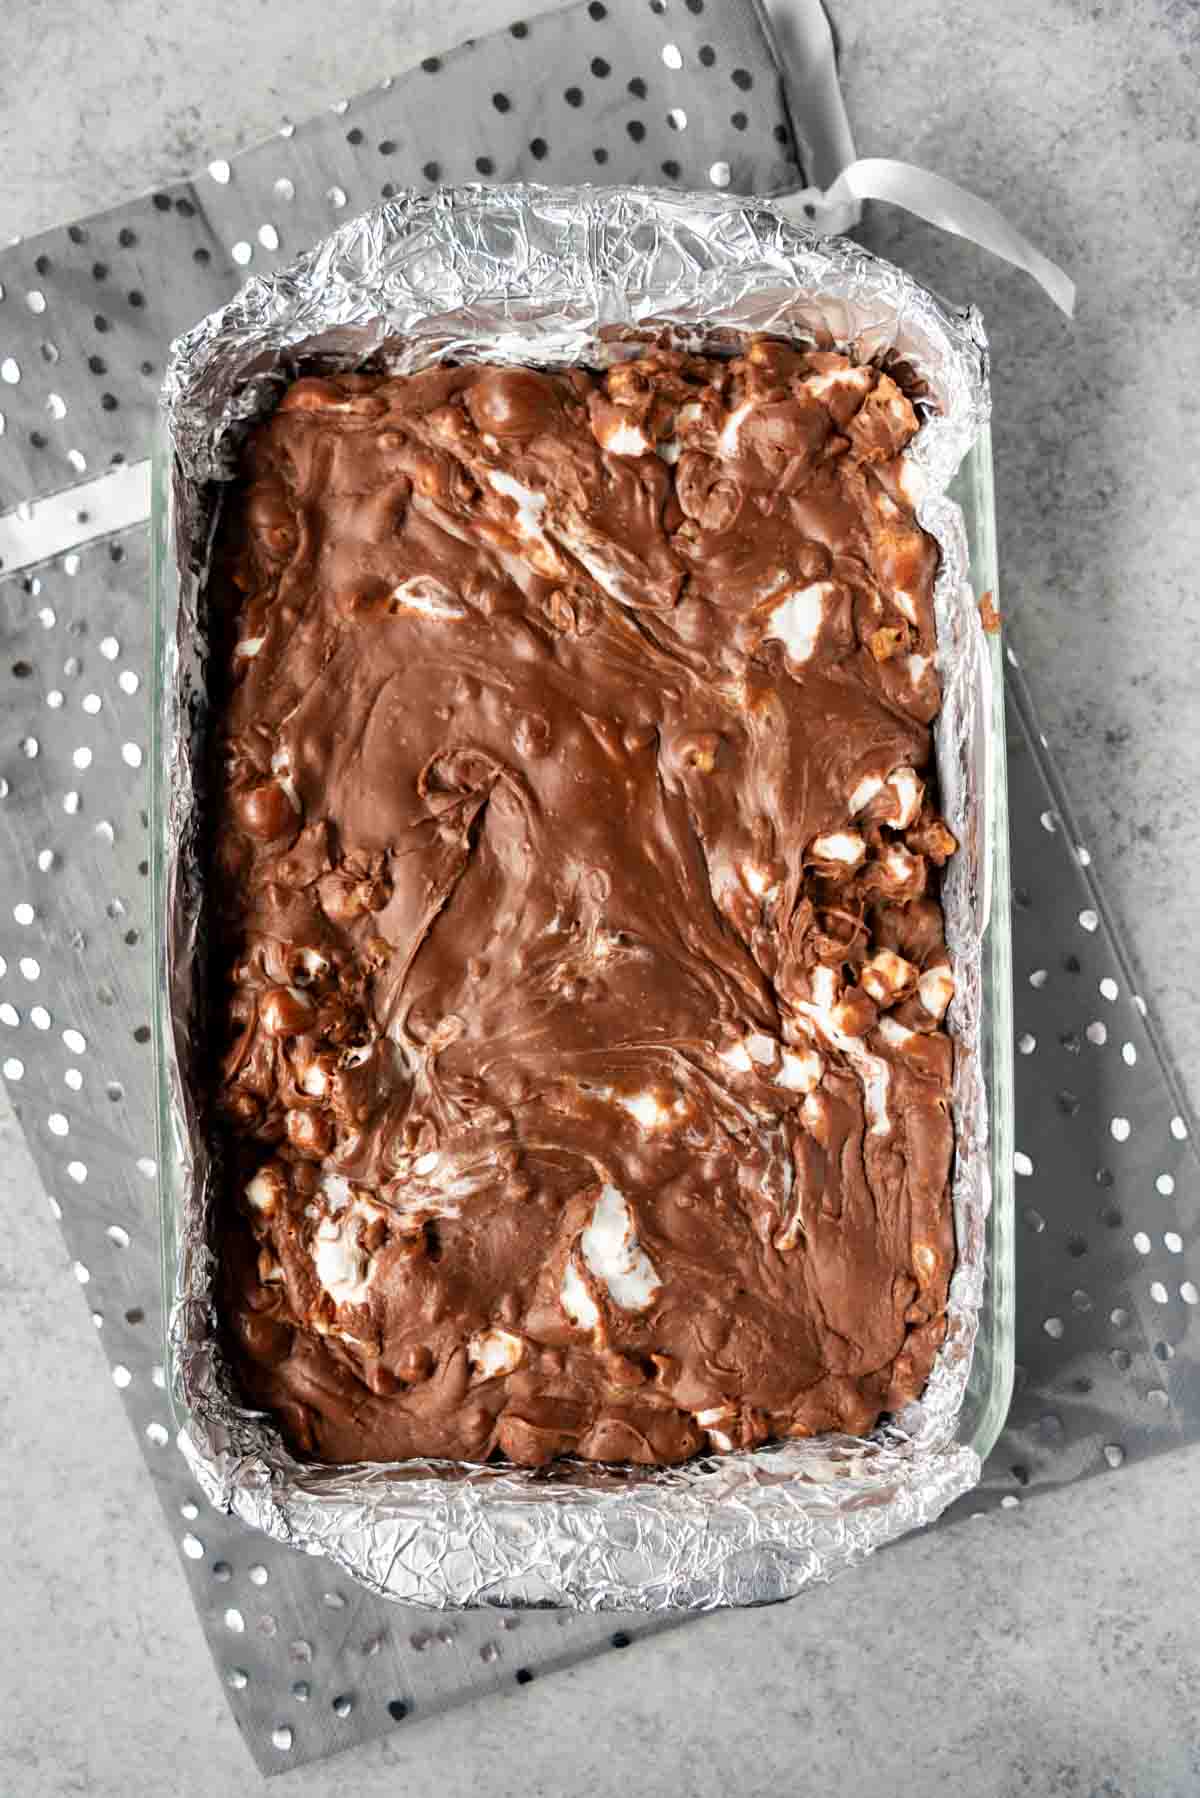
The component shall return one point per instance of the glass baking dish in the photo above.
(990, 1386)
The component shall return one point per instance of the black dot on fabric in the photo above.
(98, 365)
(126, 238)
(388, 190)
(524, 1676)
(431, 65)
(354, 135)
(707, 56)
(109, 402)
(135, 1315)
(636, 130)
(42, 265)
(99, 271)
(388, 147)
(22, 670)
(485, 165)
(738, 120)
(501, 102)
(573, 96)
(600, 155)
(782, 135)
(397, 1710)
(115, 553)
(742, 78)
(202, 256)
(637, 87)
(37, 440)
(600, 68)
(658, 6)
(1076, 1246)
(670, 169)
(1021, 1475)
(185, 209)
(620, 1639)
(597, 11)
(431, 171)
(694, 6)
(520, 29)
(77, 234)
(162, 202)
(539, 148)
(100, 323)
(147, 368)
(142, 1034)
(137, 298)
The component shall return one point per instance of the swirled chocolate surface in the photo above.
(579, 970)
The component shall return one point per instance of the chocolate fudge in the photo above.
(578, 972)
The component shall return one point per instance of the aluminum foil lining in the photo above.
(556, 277)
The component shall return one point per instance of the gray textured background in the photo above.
(1052, 1649)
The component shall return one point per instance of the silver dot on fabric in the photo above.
(1120, 1129)
(131, 755)
(1129, 1055)
(159, 1377)
(128, 681)
(1022, 1164)
(1165, 1185)
(1114, 1454)
(70, 803)
(268, 237)
(1158, 1292)
(1009, 1502)
(343, 1704)
(334, 1601)
(1188, 1293)
(301, 1691)
(1089, 920)
(10, 371)
(234, 1621)
(220, 171)
(281, 1737)
(1038, 979)
(336, 196)
(285, 189)
(1179, 1129)
(91, 703)
(57, 1124)
(1054, 1327)
(81, 1273)
(672, 56)
(13, 1069)
(237, 1678)
(9, 1015)
(156, 1433)
(677, 119)
(40, 1018)
(54, 698)
(258, 1574)
(1173, 1242)
(30, 968)
(720, 174)
(147, 1167)
(1141, 1243)
(1049, 821)
(1026, 1044)
(23, 913)
(1109, 989)
(56, 1210)
(110, 649)
(1118, 1317)
(35, 299)
(121, 1376)
(242, 252)
(192, 1547)
(46, 859)
(74, 1041)
(1140, 1003)
(77, 1171)
(118, 1235)
(56, 406)
(189, 1509)
(1097, 1033)
(105, 831)
(82, 758)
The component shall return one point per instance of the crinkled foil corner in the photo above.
(553, 277)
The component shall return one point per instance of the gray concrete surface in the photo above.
(1052, 1649)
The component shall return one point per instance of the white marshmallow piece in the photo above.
(796, 621)
(612, 1252)
(491, 1353)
